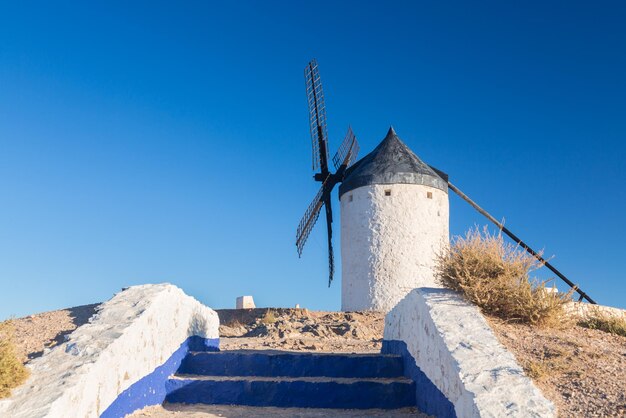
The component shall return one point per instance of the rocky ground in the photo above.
(582, 371)
(301, 329)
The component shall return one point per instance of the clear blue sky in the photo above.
(168, 141)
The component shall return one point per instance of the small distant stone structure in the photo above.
(245, 302)
(394, 222)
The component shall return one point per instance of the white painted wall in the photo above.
(245, 302)
(454, 346)
(389, 243)
(131, 335)
(584, 310)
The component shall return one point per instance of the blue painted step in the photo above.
(282, 363)
(302, 392)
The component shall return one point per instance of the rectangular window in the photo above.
(388, 192)
(429, 195)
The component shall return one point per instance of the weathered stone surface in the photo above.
(389, 243)
(128, 338)
(586, 310)
(454, 346)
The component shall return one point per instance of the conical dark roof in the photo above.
(391, 162)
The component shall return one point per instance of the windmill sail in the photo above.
(329, 230)
(347, 152)
(317, 116)
(308, 220)
(345, 156)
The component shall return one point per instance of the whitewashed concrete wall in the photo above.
(455, 348)
(389, 243)
(584, 310)
(131, 335)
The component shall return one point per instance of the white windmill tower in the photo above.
(394, 224)
(394, 212)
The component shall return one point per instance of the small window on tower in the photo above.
(350, 198)
(429, 195)
(388, 192)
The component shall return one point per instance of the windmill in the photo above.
(345, 156)
(405, 203)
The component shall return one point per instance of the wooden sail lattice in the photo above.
(317, 115)
(345, 156)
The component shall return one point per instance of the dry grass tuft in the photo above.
(552, 362)
(536, 370)
(496, 276)
(269, 318)
(12, 372)
(599, 320)
(233, 323)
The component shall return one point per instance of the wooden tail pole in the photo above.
(483, 212)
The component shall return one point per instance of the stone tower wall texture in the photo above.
(390, 237)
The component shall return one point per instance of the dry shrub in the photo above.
(596, 319)
(12, 372)
(233, 323)
(495, 275)
(536, 370)
(269, 318)
(551, 362)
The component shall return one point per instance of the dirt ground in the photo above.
(36, 333)
(301, 329)
(582, 371)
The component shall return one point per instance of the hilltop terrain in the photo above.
(582, 371)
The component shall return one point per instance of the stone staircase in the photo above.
(292, 380)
